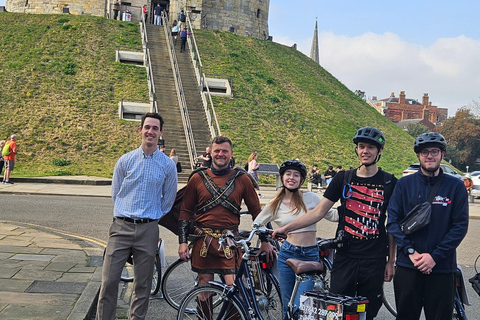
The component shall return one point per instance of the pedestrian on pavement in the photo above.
(2, 144)
(116, 8)
(204, 200)
(253, 167)
(173, 155)
(314, 177)
(426, 259)
(329, 174)
(206, 158)
(360, 267)
(144, 187)
(9, 151)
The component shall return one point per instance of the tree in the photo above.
(361, 94)
(416, 129)
(474, 107)
(463, 133)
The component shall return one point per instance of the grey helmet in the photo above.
(430, 139)
(370, 135)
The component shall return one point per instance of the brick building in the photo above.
(401, 108)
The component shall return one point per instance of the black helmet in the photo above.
(430, 139)
(295, 165)
(370, 135)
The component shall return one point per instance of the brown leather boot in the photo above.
(205, 309)
(232, 313)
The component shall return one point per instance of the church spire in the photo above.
(314, 53)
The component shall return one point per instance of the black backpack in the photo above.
(182, 17)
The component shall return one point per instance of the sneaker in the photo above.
(8, 182)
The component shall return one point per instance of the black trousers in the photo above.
(184, 42)
(360, 277)
(414, 290)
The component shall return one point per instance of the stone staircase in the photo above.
(167, 100)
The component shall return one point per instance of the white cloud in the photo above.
(448, 70)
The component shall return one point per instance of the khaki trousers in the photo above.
(127, 238)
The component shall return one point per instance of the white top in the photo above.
(175, 159)
(284, 215)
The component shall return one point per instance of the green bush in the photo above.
(61, 162)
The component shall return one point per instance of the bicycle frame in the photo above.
(238, 288)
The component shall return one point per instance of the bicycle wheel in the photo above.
(268, 298)
(388, 298)
(178, 280)
(217, 307)
(157, 276)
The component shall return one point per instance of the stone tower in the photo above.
(244, 17)
(314, 53)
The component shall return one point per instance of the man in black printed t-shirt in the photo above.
(360, 267)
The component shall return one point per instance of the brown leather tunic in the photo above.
(217, 218)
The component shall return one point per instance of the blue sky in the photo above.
(385, 46)
(382, 46)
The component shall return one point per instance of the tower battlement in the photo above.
(243, 17)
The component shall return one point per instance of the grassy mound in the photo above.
(287, 106)
(60, 90)
(61, 87)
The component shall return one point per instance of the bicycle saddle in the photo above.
(308, 267)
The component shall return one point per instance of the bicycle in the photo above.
(219, 301)
(174, 291)
(240, 300)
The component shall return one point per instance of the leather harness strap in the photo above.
(220, 196)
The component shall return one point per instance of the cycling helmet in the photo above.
(293, 164)
(430, 139)
(370, 135)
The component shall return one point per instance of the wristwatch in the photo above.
(410, 251)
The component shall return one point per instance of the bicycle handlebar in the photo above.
(335, 243)
(229, 238)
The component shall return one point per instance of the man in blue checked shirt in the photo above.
(144, 187)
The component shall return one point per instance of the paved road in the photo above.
(91, 217)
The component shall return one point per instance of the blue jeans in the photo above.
(286, 275)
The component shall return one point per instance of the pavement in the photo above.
(48, 274)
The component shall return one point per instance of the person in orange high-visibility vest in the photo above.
(9, 159)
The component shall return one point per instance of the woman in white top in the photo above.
(175, 29)
(290, 204)
(173, 156)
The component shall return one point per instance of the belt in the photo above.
(143, 220)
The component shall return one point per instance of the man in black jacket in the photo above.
(426, 259)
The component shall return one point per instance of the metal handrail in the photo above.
(148, 66)
(197, 64)
(187, 127)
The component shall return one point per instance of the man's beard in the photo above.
(431, 169)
